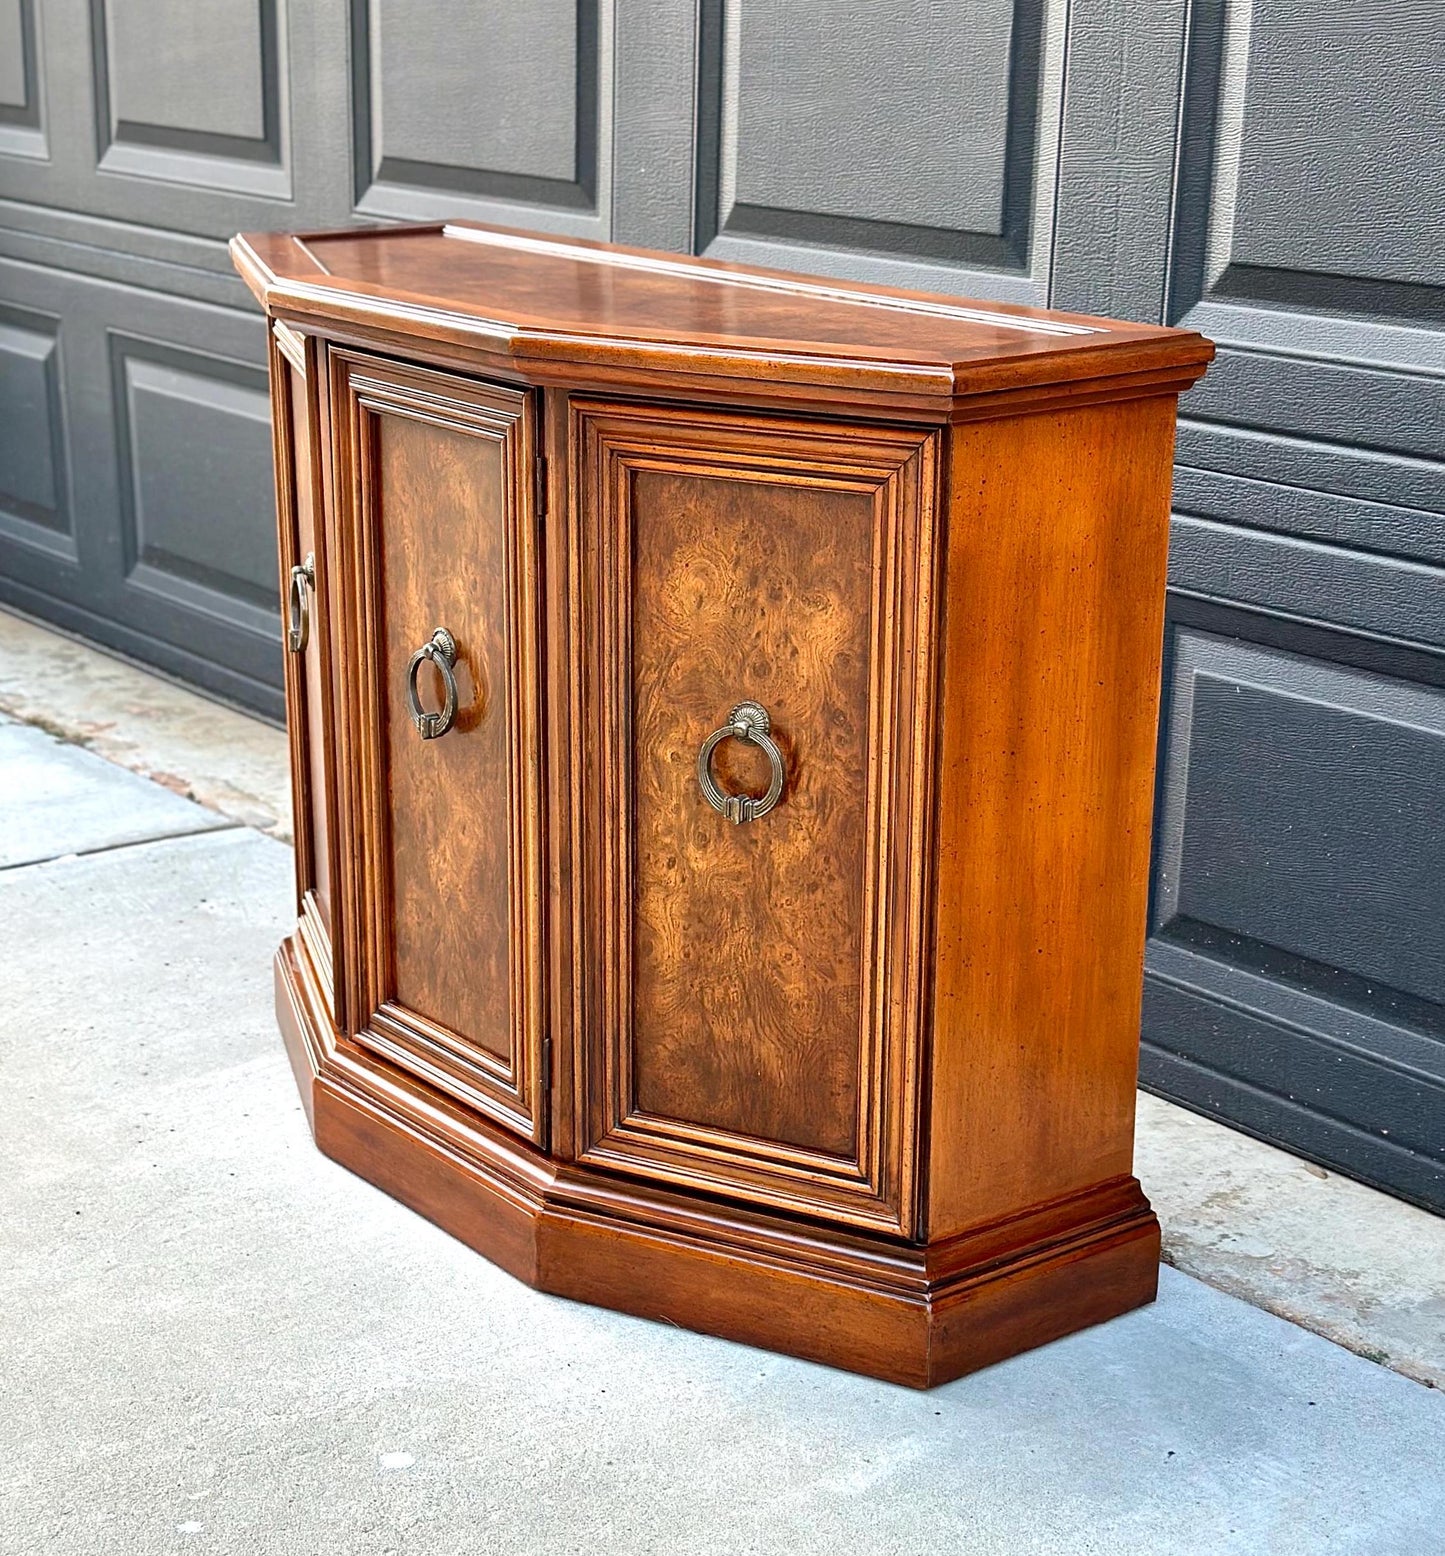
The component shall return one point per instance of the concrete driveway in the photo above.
(216, 1340)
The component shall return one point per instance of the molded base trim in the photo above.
(897, 1311)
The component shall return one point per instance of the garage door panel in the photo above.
(810, 124)
(1309, 466)
(1297, 945)
(1393, 412)
(35, 505)
(1397, 600)
(15, 17)
(209, 108)
(1300, 1066)
(1296, 1086)
(22, 131)
(1312, 197)
(1297, 844)
(1300, 813)
(161, 472)
(179, 116)
(194, 436)
(445, 112)
(1380, 66)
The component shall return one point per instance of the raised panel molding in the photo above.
(17, 20)
(869, 1180)
(21, 124)
(499, 114)
(34, 455)
(194, 437)
(217, 469)
(209, 108)
(1381, 600)
(454, 998)
(1298, 815)
(840, 139)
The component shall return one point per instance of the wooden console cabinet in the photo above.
(723, 715)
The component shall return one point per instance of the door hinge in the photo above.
(546, 1068)
(541, 487)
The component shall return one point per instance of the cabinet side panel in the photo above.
(1054, 615)
(296, 417)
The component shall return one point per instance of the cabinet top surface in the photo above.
(530, 295)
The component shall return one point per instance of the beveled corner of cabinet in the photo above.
(397, 1148)
(300, 1031)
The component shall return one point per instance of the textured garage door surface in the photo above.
(1269, 172)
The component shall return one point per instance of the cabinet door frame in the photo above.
(365, 388)
(877, 1188)
(292, 352)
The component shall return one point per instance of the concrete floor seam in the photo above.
(113, 848)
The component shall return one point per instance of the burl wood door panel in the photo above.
(750, 991)
(297, 425)
(436, 482)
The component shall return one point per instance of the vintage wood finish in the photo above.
(435, 480)
(911, 1313)
(753, 992)
(562, 312)
(1045, 794)
(297, 424)
(853, 1080)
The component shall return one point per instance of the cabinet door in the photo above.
(435, 483)
(297, 421)
(749, 990)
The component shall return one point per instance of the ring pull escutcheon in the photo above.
(748, 721)
(298, 604)
(441, 650)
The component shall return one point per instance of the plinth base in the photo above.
(907, 1313)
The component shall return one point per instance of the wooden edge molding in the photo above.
(919, 390)
(1124, 363)
(882, 1307)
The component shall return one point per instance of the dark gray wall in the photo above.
(1269, 172)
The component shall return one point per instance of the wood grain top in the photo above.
(542, 299)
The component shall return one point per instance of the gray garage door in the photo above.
(1271, 173)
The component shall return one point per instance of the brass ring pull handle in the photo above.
(748, 721)
(298, 605)
(441, 649)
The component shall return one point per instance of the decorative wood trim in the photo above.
(364, 389)
(1040, 360)
(909, 1314)
(293, 346)
(283, 412)
(287, 351)
(898, 469)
